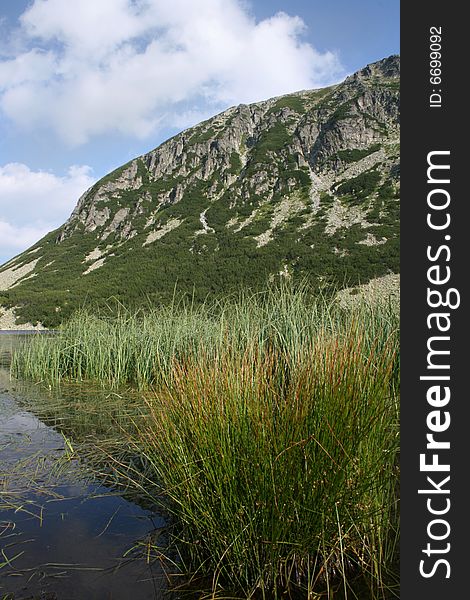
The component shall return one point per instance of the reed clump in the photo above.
(271, 435)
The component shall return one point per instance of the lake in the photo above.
(63, 534)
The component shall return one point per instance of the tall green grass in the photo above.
(271, 435)
(142, 347)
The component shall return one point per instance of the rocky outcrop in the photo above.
(358, 114)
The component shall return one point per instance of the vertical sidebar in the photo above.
(435, 232)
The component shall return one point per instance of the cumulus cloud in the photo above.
(134, 65)
(14, 239)
(33, 203)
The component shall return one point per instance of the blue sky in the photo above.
(85, 90)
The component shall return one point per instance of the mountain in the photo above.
(305, 185)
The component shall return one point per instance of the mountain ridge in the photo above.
(304, 185)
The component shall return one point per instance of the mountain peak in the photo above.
(388, 68)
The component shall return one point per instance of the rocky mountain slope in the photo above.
(300, 186)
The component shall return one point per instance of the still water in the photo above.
(63, 535)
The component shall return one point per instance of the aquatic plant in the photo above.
(270, 436)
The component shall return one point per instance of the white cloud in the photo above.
(14, 239)
(33, 203)
(130, 66)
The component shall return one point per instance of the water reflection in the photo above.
(62, 534)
